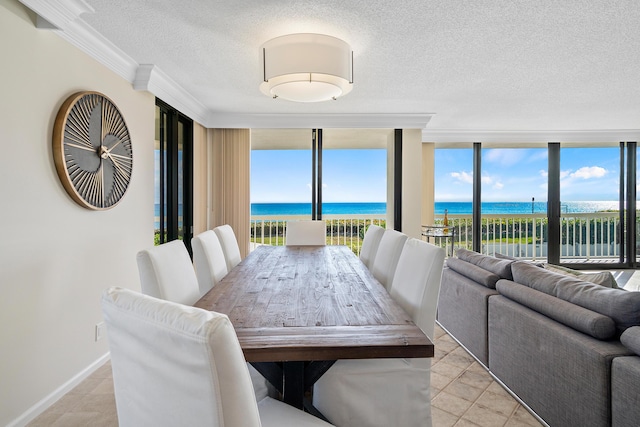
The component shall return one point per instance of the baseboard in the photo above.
(52, 398)
(496, 379)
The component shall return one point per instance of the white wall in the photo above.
(55, 256)
(412, 182)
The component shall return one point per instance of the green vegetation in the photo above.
(339, 232)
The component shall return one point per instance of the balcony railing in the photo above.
(341, 230)
(584, 236)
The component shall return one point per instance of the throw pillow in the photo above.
(604, 278)
(501, 267)
(622, 306)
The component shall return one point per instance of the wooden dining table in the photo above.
(298, 309)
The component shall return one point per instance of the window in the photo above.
(173, 176)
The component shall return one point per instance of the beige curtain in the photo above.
(230, 174)
(201, 179)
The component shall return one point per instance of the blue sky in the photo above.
(517, 175)
(509, 175)
(284, 176)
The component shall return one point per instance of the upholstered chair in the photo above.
(390, 392)
(306, 233)
(208, 259)
(387, 255)
(175, 365)
(166, 272)
(229, 245)
(370, 244)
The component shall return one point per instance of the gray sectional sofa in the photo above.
(568, 348)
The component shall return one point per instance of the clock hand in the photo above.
(114, 145)
(116, 163)
(81, 147)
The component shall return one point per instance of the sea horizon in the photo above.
(453, 208)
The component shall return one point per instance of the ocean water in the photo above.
(327, 208)
(461, 208)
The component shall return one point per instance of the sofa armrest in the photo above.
(471, 271)
(630, 338)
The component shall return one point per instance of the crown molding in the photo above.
(149, 77)
(299, 121)
(58, 13)
(453, 136)
(63, 16)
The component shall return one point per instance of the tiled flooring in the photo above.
(463, 395)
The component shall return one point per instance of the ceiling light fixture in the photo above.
(306, 67)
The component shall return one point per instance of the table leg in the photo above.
(293, 390)
(272, 371)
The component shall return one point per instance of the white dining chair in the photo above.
(370, 244)
(229, 245)
(166, 272)
(306, 233)
(390, 392)
(387, 255)
(175, 365)
(208, 259)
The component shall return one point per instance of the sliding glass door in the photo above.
(559, 203)
(336, 175)
(173, 176)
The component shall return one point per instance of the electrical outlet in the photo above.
(99, 331)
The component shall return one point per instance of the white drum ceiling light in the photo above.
(306, 67)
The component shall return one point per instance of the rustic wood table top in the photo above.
(304, 303)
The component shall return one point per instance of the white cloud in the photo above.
(498, 186)
(464, 177)
(588, 172)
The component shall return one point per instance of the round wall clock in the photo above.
(92, 150)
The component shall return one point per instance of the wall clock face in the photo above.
(92, 150)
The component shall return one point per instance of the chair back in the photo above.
(208, 259)
(229, 245)
(175, 365)
(416, 282)
(306, 233)
(370, 244)
(386, 260)
(166, 272)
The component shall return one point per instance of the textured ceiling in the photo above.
(510, 65)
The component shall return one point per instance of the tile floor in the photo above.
(463, 394)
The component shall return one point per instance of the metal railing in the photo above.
(341, 229)
(584, 236)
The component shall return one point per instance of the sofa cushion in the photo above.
(622, 306)
(603, 278)
(581, 319)
(631, 339)
(473, 272)
(501, 267)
